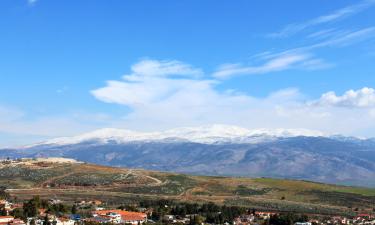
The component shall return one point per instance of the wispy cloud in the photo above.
(302, 58)
(339, 14)
(347, 38)
(278, 63)
(165, 68)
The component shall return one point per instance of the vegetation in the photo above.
(287, 219)
(115, 185)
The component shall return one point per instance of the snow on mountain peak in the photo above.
(202, 134)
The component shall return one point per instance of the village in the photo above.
(55, 212)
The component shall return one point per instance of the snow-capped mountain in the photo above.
(203, 134)
(221, 150)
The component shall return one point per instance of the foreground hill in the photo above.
(221, 151)
(72, 180)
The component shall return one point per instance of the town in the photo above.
(37, 211)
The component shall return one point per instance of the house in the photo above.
(244, 219)
(169, 218)
(302, 223)
(120, 216)
(64, 221)
(5, 204)
(265, 215)
(6, 219)
(17, 222)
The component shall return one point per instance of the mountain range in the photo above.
(221, 151)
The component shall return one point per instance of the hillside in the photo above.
(72, 180)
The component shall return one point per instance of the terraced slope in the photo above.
(72, 181)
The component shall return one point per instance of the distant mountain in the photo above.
(221, 150)
(204, 134)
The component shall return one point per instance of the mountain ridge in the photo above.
(200, 151)
(202, 134)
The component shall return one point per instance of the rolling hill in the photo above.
(71, 180)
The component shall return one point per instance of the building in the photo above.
(302, 223)
(120, 216)
(64, 221)
(6, 219)
(265, 215)
(17, 222)
(5, 204)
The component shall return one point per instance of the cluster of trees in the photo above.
(286, 219)
(31, 208)
(208, 212)
(212, 213)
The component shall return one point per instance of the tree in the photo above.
(3, 212)
(74, 209)
(31, 207)
(46, 220)
(18, 213)
(3, 193)
(287, 219)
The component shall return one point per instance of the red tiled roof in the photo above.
(17, 221)
(125, 215)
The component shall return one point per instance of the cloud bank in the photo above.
(160, 99)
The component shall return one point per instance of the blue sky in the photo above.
(71, 66)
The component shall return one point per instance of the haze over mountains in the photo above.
(221, 150)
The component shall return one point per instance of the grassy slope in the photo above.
(84, 180)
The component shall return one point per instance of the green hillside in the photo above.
(72, 181)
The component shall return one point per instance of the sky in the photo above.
(68, 66)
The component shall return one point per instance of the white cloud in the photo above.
(300, 58)
(164, 68)
(339, 14)
(278, 62)
(364, 97)
(161, 102)
(151, 81)
(347, 38)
